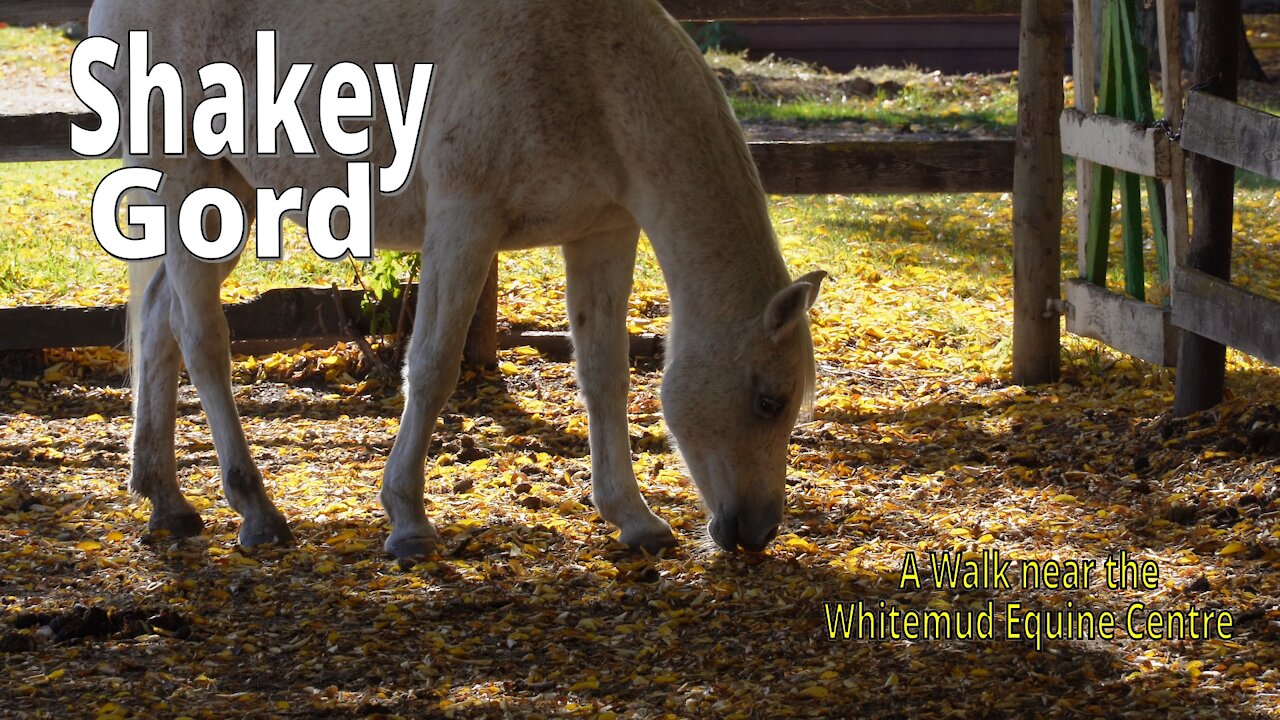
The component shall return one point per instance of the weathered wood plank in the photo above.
(833, 9)
(482, 337)
(43, 12)
(1116, 143)
(1169, 28)
(1231, 133)
(1217, 310)
(555, 344)
(278, 319)
(1249, 7)
(787, 168)
(1131, 326)
(885, 168)
(36, 12)
(40, 327)
(40, 138)
(1085, 67)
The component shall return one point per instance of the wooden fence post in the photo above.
(482, 339)
(1202, 362)
(1037, 194)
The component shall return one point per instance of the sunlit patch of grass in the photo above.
(38, 49)
(928, 101)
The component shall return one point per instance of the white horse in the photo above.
(552, 122)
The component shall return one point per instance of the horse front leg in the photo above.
(599, 270)
(462, 239)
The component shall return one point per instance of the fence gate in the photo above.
(1116, 139)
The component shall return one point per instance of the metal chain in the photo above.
(1165, 124)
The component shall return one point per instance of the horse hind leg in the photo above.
(200, 327)
(599, 278)
(155, 394)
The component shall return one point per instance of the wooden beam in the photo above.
(1228, 315)
(278, 319)
(1131, 326)
(43, 12)
(48, 12)
(787, 168)
(1037, 195)
(1232, 133)
(40, 138)
(832, 9)
(1085, 67)
(1202, 361)
(1169, 28)
(1116, 143)
(885, 168)
(1248, 7)
(481, 348)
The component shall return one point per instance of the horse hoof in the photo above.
(652, 542)
(176, 527)
(412, 546)
(272, 530)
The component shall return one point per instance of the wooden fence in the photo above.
(1206, 313)
(794, 168)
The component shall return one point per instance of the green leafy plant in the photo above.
(383, 280)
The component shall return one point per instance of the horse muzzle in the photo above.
(732, 531)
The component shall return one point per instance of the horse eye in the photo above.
(769, 406)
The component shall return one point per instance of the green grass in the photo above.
(39, 49)
(51, 255)
(929, 102)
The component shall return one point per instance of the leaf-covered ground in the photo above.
(918, 444)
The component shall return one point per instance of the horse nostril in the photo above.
(724, 530)
(773, 534)
(763, 541)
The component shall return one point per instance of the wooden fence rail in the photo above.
(38, 12)
(787, 168)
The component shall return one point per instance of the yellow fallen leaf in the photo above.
(815, 691)
(1233, 548)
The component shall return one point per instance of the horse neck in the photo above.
(708, 222)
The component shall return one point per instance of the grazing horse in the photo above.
(552, 122)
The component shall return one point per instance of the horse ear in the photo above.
(789, 306)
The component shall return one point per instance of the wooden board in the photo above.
(278, 319)
(1226, 314)
(1133, 327)
(885, 168)
(1178, 211)
(771, 9)
(1250, 7)
(42, 12)
(34, 12)
(1084, 67)
(40, 138)
(1233, 134)
(787, 168)
(1116, 143)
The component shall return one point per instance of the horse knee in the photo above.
(206, 347)
(428, 383)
